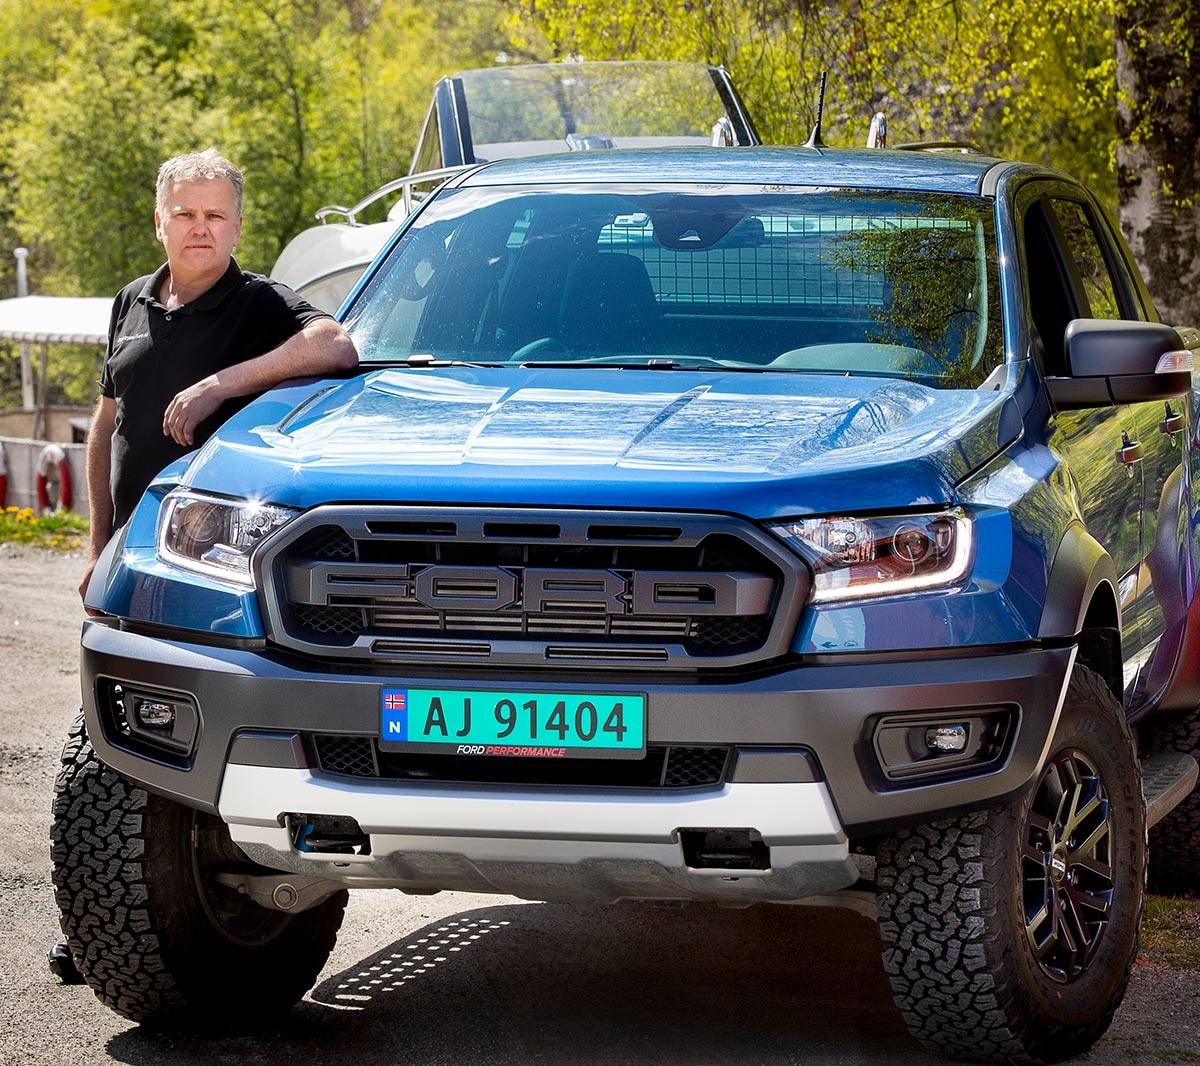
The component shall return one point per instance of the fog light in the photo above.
(147, 722)
(153, 714)
(951, 741)
(947, 738)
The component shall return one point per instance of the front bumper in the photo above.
(540, 846)
(253, 710)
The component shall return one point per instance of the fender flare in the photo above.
(1083, 605)
(1080, 570)
(53, 461)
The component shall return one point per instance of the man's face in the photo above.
(199, 226)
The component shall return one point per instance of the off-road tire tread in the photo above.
(949, 955)
(109, 845)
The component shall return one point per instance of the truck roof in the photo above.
(950, 172)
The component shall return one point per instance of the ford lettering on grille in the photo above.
(493, 588)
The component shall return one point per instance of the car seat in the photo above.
(608, 306)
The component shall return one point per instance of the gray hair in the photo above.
(208, 165)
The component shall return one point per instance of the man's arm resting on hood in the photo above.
(321, 347)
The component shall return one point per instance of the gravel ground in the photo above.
(455, 978)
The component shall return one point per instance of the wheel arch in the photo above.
(1082, 604)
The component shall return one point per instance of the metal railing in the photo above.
(403, 185)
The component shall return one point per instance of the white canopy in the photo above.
(56, 319)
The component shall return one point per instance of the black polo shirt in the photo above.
(154, 353)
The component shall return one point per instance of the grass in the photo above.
(59, 531)
(1171, 931)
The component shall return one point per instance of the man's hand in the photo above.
(191, 407)
(83, 585)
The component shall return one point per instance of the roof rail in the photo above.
(940, 146)
(402, 185)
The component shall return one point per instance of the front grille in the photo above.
(458, 585)
(662, 767)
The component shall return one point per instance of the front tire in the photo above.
(152, 934)
(1009, 934)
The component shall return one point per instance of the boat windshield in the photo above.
(631, 104)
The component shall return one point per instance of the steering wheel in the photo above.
(540, 346)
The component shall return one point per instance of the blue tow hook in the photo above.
(302, 835)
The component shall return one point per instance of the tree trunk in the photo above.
(1158, 138)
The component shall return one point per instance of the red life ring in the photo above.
(52, 467)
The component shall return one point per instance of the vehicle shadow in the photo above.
(586, 984)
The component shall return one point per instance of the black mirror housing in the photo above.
(1114, 361)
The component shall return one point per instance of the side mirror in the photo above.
(1113, 362)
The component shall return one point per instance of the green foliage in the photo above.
(72, 373)
(320, 100)
(1025, 78)
(317, 100)
(84, 204)
(35, 31)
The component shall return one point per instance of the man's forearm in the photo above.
(99, 469)
(98, 461)
(322, 347)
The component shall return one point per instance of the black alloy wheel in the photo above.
(1067, 868)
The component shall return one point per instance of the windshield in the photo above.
(806, 280)
(626, 102)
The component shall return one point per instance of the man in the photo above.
(191, 343)
(187, 346)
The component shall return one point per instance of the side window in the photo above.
(1095, 278)
(1052, 297)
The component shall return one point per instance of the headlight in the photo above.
(857, 558)
(213, 536)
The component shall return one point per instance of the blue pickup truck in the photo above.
(722, 524)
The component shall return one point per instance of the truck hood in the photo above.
(758, 444)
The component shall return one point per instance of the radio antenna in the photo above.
(814, 138)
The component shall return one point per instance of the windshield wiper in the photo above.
(604, 364)
(421, 360)
(649, 364)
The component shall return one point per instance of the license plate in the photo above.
(553, 725)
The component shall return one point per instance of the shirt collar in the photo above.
(212, 297)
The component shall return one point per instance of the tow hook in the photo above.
(326, 834)
(724, 849)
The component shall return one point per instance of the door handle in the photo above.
(1172, 422)
(1131, 451)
